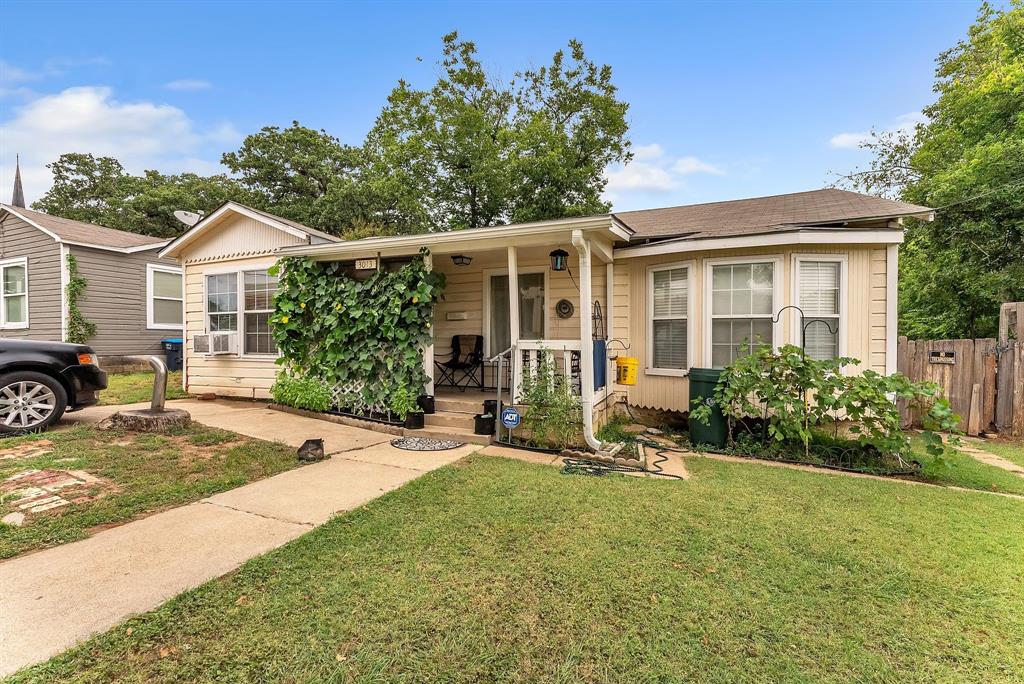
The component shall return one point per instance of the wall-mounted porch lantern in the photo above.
(461, 260)
(559, 260)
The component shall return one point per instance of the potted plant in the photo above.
(403, 405)
(426, 402)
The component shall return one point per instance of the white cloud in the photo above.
(141, 135)
(687, 165)
(851, 141)
(188, 84)
(10, 74)
(652, 171)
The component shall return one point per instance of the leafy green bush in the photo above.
(366, 334)
(403, 402)
(554, 415)
(304, 393)
(796, 396)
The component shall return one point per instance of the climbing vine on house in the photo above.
(364, 337)
(79, 329)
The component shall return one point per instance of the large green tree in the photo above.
(967, 161)
(98, 190)
(473, 151)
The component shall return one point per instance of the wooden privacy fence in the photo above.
(983, 380)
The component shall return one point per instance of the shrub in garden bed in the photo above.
(800, 404)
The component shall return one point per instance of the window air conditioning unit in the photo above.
(215, 343)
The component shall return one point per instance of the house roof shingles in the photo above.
(85, 233)
(763, 214)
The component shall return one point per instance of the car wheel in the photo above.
(30, 402)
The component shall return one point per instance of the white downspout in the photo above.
(586, 345)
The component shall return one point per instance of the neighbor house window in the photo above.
(668, 294)
(164, 297)
(222, 302)
(260, 288)
(742, 304)
(14, 279)
(819, 296)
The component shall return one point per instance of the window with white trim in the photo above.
(164, 297)
(742, 304)
(668, 290)
(14, 293)
(259, 290)
(222, 302)
(818, 296)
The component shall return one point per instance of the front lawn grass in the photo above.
(499, 571)
(149, 472)
(129, 388)
(965, 471)
(1012, 451)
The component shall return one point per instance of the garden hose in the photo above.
(572, 465)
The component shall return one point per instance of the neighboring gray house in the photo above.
(132, 295)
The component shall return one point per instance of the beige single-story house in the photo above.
(132, 295)
(676, 288)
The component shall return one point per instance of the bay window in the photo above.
(742, 303)
(14, 293)
(668, 332)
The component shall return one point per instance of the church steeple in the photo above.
(18, 200)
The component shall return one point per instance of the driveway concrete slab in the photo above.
(56, 597)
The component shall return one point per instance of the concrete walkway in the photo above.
(55, 598)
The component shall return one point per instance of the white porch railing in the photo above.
(527, 355)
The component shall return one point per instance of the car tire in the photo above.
(30, 402)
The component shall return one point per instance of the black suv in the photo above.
(40, 380)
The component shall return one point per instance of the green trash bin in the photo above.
(702, 391)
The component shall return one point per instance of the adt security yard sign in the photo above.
(510, 418)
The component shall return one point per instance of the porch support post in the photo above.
(513, 321)
(586, 343)
(428, 351)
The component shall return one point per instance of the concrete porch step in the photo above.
(459, 434)
(451, 405)
(449, 419)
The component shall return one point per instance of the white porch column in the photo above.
(586, 344)
(428, 351)
(513, 321)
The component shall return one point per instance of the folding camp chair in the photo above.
(465, 365)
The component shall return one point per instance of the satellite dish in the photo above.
(189, 218)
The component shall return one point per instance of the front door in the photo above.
(531, 310)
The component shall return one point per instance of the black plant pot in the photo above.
(426, 402)
(483, 424)
(491, 406)
(414, 420)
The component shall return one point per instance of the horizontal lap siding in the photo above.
(865, 331)
(19, 239)
(115, 301)
(228, 376)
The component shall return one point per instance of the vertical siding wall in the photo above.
(865, 316)
(19, 239)
(239, 244)
(115, 300)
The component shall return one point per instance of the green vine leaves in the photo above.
(347, 332)
(79, 329)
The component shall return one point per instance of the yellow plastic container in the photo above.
(626, 368)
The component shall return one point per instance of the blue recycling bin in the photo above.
(172, 352)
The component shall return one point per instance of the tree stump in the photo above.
(148, 420)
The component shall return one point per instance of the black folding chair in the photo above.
(465, 365)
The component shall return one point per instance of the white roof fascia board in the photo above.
(800, 237)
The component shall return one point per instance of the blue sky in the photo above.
(727, 100)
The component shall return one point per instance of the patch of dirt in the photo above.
(26, 450)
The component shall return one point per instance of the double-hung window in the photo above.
(14, 293)
(668, 296)
(245, 298)
(819, 296)
(260, 288)
(742, 297)
(164, 297)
